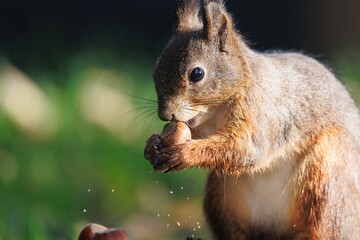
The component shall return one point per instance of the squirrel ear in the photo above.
(187, 16)
(217, 23)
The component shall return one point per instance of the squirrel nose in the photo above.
(166, 115)
(165, 112)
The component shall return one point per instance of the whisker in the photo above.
(145, 119)
(141, 98)
(151, 111)
(194, 110)
(150, 117)
(138, 109)
(206, 102)
(153, 121)
(199, 111)
(144, 115)
(145, 103)
(138, 102)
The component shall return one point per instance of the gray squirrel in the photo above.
(278, 132)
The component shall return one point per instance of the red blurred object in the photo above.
(95, 231)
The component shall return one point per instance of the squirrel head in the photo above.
(203, 64)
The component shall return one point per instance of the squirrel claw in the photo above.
(152, 148)
(176, 168)
(163, 159)
(169, 160)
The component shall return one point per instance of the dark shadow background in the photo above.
(43, 34)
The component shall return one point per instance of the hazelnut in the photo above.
(111, 234)
(88, 231)
(95, 231)
(175, 133)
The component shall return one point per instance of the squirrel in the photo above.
(278, 131)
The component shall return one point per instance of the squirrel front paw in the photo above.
(152, 149)
(164, 150)
(170, 160)
(163, 159)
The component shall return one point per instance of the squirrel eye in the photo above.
(196, 74)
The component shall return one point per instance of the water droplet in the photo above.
(168, 215)
(189, 216)
(182, 188)
(178, 223)
(194, 229)
(187, 198)
(158, 215)
(89, 190)
(84, 210)
(156, 181)
(199, 227)
(171, 192)
(167, 226)
(112, 190)
(197, 223)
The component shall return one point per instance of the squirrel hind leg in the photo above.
(222, 222)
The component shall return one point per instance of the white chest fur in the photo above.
(265, 198)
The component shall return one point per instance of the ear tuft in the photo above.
(217, 22)
(187, 16)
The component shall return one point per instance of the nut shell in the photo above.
(111, 234)
(95, 231)
(175, 133)
(88, 231)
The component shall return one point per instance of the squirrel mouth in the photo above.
(193, 122)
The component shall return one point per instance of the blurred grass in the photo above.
(87, 169)
(347, 69)
(89, 166)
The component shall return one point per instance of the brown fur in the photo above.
(278, 131)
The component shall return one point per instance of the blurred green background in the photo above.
(75, 85)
